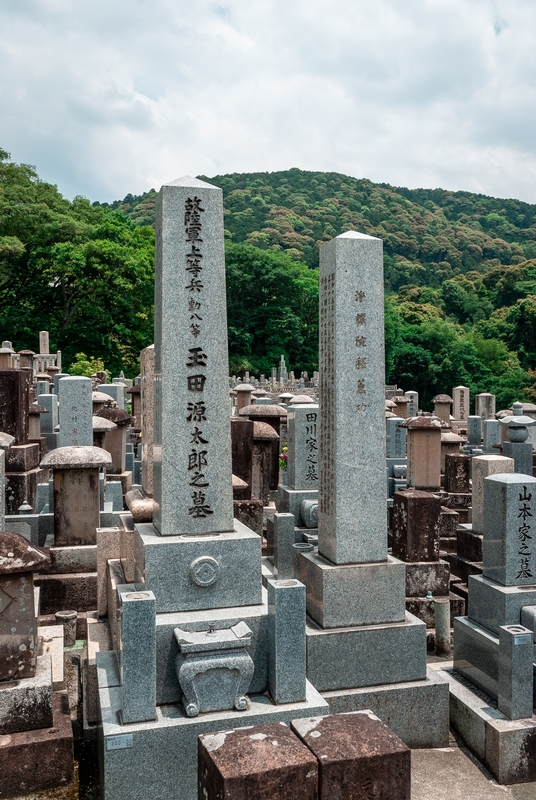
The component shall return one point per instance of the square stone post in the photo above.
(462, 402)
(483, 467)
(137, 655)
(192, 479)
(147, 418)
(286, 641)
(75, 408)
(352, 524)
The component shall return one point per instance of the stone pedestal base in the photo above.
(199, 572)
(353, 594)
(73, 592)
(167, 747)
(370, 655)
(506, 747)
(417, 711)
(32, 761)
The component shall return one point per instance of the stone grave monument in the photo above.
(364, 651)
(195, 626)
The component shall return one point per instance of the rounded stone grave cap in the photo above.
(101, 424)
(451, 438)
(35, 408)
(301, 399)
(136, 389)
(400, 398)
(259, 392)
(429, 422)
(389, 414)
(6, 440)
(26, 353)
(442, 398)
(261, 430)
(116, 415)
(285, 396)
(262, 411)
(101, 397)
(390, 404)
(6, 350)
(17, 554)
(43, 376)
(245, 387)
(76, 458)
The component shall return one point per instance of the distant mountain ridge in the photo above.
(430, 235)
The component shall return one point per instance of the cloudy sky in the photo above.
(108, 97)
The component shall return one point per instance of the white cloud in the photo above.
(118, 96)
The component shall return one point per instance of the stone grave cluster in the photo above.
(231, 585)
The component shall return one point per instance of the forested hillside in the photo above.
(429, 235)
(460, 275)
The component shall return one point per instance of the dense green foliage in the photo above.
(83, 273)
(460, 276)
(429, 236)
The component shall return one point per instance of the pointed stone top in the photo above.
(187, 180)
(356, 235)
(17, 554)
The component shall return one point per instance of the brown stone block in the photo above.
(462, 567)
(17, 626)
(447, 523)
(414, 523)
(76, 592)
(249, 512)
(359, 757)
(265, 762)
(32, 761)
(15, 403)
(21, 487)
(126, 481)
(76, 506)
(469, 545)
(457, 473)
(427, 576)
(22, 457)
(42, 443)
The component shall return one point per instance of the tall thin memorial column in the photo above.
(192, 440)
(352, 524)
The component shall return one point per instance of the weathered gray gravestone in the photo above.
(75, 407)
(351, 524)
(192, 480)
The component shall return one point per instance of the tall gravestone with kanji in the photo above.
(359, 634)
(197, 619)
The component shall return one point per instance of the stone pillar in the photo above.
(442, 404)
(116, 392)
(396, 438)
(14, 403)
(492, 434)
(413, 405)
(516, 654)
(457, 474)
(242, 455)
(56, 381)
(401, 402)
(76, 493)
(48, 421)
(474, 431)
(18, 625)
(483, 467)
(75, 409)
(508, 548)
(191, 479)
(137, 655)
(243, 395)
(147, 418)
(286, 641)
(424, 452)
(303, 425)
(44, 346)
(485, 405)
(415, 526)
(352, 525)
(284, 538)
(462, 402)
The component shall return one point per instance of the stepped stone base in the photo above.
(167, 747)
(506, 747)
(32, 761)
(417, 711)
